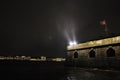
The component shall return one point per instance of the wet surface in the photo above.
(92, 74)
(52, 71)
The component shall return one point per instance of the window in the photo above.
(75, 55)
(92, 54)
(110, 52)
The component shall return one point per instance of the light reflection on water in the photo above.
(52, 71)
(92, 74)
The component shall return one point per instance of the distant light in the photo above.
(73, 43)
(70, 43)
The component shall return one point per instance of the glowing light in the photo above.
(72, 43)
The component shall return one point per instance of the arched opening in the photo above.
(75, 55)
(92, 54)
(110, 52)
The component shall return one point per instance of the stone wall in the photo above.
(101, 59)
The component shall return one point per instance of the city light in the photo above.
(72, 43)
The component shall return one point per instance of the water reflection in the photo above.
(92, 74)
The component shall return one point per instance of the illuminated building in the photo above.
(97, 53)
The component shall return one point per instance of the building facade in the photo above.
(98, 53)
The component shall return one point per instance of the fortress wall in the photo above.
(100, 59)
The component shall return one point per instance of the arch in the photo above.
(75, 55)
(92, 54)
(110, 52)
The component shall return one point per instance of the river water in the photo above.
(12, 70)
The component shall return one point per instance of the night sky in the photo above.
(45, 27)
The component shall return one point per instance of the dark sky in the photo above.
(45, 27)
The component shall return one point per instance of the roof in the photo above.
(101, 42)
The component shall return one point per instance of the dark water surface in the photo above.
(25, 70)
